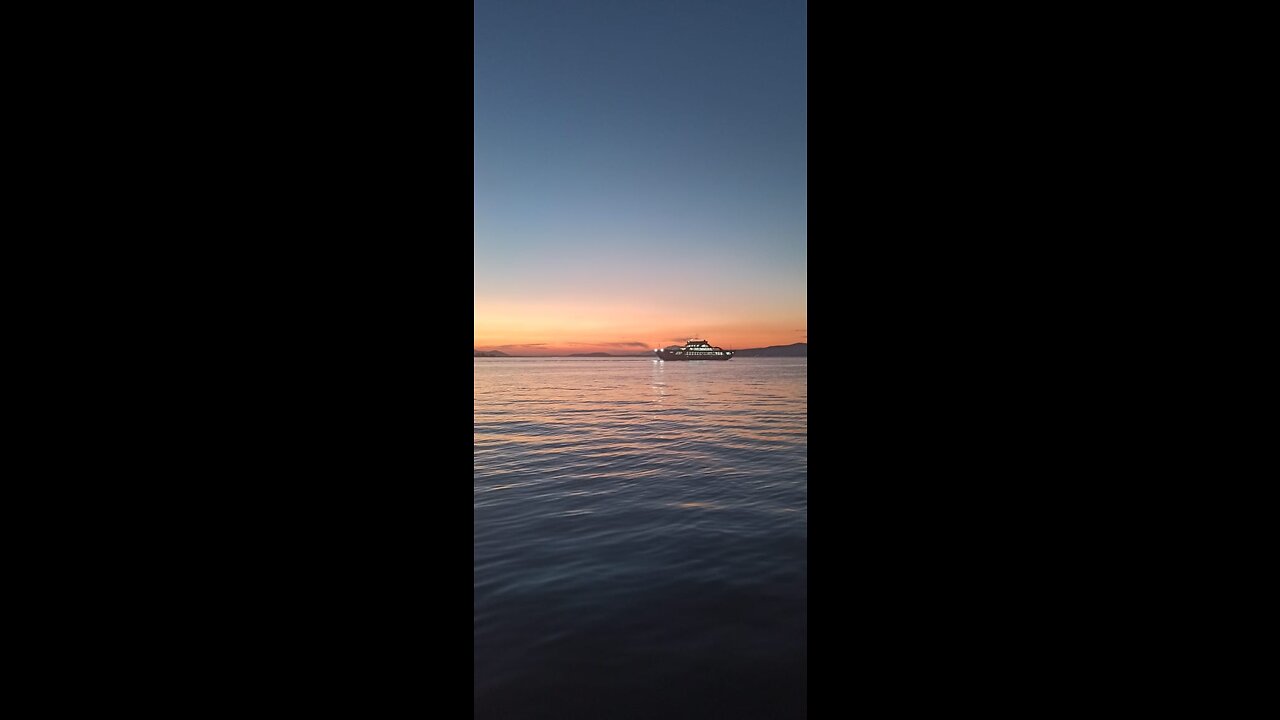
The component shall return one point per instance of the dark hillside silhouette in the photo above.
(793, 350)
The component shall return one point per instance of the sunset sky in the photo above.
(640, 174)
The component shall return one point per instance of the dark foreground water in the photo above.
(640, 538)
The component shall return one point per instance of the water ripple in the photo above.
(639, 525)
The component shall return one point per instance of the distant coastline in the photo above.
(792, 350)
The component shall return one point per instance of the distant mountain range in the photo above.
(793, 350)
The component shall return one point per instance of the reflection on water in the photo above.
(639, 538)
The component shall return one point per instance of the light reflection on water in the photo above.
(639, 537)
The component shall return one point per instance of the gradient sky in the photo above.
(640, 174)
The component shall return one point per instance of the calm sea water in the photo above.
(640, 546)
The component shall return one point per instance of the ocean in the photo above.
(640, 538)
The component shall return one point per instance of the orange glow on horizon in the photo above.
(620, 328)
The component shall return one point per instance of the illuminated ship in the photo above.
(693, 350)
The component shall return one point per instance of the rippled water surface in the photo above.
(639, 538)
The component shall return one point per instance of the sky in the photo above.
(640, 174)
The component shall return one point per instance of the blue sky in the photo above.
(639, 150)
